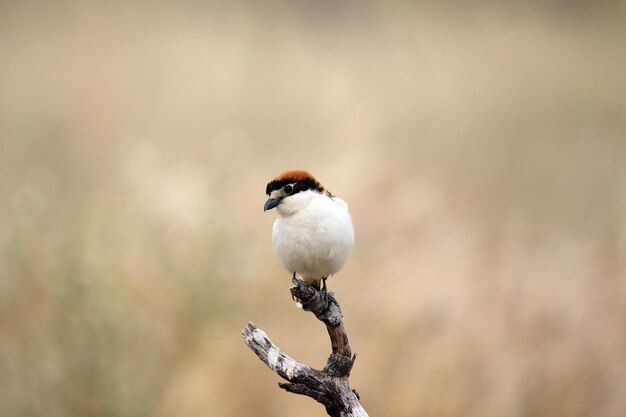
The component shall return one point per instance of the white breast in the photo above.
(313, 235)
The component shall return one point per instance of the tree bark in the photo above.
(330, 386)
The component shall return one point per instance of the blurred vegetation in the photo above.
(480, 145)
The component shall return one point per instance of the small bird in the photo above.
(313, 233)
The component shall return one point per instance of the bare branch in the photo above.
(329, 386)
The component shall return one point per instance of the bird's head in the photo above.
(289, 186)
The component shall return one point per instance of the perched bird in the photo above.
(313, 233)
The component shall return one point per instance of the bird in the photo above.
(313, 234)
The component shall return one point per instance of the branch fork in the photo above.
(329, 386)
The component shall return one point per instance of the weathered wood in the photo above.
(329, 386)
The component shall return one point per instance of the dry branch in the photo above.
(329, 386)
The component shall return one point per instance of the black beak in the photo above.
(271, 203)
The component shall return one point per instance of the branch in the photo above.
(329, 386)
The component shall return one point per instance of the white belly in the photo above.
(314, 242)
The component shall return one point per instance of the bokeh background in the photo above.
(481, 147)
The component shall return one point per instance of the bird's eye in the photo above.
(288, 189)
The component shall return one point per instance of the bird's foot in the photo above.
(317, 300)
(294, 284)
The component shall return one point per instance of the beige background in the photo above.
(481, 147)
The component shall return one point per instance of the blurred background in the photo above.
(481, 147)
